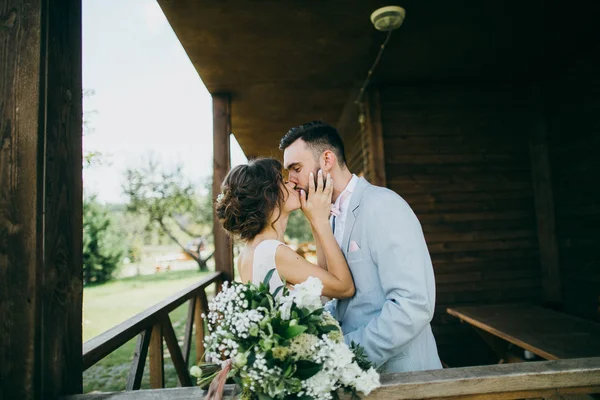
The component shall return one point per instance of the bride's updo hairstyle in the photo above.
(249, 196)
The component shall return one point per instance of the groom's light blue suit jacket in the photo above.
(390, 313)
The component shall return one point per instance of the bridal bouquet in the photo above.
(281, 345)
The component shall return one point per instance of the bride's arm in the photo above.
(337, 282)
(321, 257)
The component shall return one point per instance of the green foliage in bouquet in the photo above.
(281, 345)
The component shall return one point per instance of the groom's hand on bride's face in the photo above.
(316, 204)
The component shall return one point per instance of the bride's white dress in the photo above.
(264, 261)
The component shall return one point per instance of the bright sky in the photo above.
(148, 96)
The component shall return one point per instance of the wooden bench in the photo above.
(549, 334)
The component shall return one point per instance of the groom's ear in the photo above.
(329, 160)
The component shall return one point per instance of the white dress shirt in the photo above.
(340, 221)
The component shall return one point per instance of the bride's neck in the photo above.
(273, 230)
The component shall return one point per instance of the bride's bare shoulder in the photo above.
(244, 263)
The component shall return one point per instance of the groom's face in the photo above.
(300, 161)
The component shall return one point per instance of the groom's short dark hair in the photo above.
(319, 136)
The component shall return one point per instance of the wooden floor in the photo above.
(549, 334)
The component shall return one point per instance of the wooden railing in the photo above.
(151, 326)
(539, 379)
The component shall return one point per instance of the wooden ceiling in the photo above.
(287, 62)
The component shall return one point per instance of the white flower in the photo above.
(340, 355)
(286, 307)
(320, 385)
(196, 372)
(308, 293)
(367, 381)
(349, 373)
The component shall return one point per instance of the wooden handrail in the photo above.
(102, 345)
(494, 382)
(500, 381)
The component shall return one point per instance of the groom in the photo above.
(382, 240)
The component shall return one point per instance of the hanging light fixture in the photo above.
(384, 19)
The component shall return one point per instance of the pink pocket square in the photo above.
(353, 246)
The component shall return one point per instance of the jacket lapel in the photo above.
(355, 202)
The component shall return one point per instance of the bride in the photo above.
(255, 204)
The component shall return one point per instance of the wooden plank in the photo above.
(100, 346)
(452, 197)
(175, 352)
(526, 272)
(63, 207)
(494, 382)
(448, 247)
(492, 296)
(482, 286)
(21, 199)
(40, 199)
(476, 206)
(544, 332)
(442, 237)
(221, 165)
(481, 216)
(398, 168)
(459, 158)
(201, 307)
(189, 325)
(157, 359)
(409, 185)
(136, 373)
(544, 208)
(374, 133)
(471, 257)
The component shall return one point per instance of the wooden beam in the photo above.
(175, 351)
(136, 373)
(189, 327)
(373, 126)
(157, 359)
(489, 382)
(544, 209)
(63, 194)
(201, 307)
(21, 198)
(221, 166)
(41, 198)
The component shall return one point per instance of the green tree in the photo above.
(169, 204)
(103, 248)
(298, 227)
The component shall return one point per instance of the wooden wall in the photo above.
(460, 157)
(573, 113)
(41, 284)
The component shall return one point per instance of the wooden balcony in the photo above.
(151, 326)
(574, 378)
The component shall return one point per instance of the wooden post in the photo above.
(374, 129)
(201, 307)
(157, 359)
(544, 209)
(221, 165)
(40, 199)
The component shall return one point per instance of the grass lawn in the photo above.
(107, 305)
